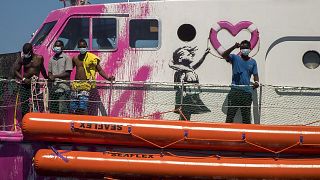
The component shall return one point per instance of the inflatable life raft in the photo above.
(77, 163)
(171, 134)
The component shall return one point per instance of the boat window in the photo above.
(104, 33)
(43, 33)
(311, 59)
(76, 29)
(144, 33)
(186, 32)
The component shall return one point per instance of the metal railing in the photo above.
(162, 100)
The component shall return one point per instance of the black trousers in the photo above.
(238, 98)
(25, 94)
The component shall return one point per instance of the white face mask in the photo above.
(245, 52)
(27, 55)
(57, 49)
(83, 50)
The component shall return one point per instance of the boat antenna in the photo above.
(64, 2)
(74, 2)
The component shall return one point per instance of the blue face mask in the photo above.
(57, 49)
(245, 52)
(83, 50)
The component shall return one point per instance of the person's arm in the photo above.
(68, 66)
(73, 63)
(103, 74)
(179, 67)
(50, 76)
(255, 76)
(63, 75)
(50, 71)
(256, 81)
(198, 64)
(43, 69)
(17, 68)
(226, 54)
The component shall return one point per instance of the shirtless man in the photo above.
(32, 66)
(87, 64)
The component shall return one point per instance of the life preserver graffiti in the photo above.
(233, 30)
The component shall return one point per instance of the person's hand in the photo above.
(256, 85)
(51, 77)
(207, 51)
(236, 45)
(18, 81)
(26, 81)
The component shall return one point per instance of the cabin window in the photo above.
(186, 32)
(43, 33)
(311, 59)
(144, 33)
(104, 33)
(76, 29)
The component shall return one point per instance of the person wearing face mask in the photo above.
(240, 95)
(32, 65)
(87, 64)
(59, 69)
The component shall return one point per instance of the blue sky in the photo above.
(20, 18)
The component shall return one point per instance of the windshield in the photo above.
(43, 33)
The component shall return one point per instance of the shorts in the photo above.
(79, 100)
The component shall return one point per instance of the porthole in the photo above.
(186, 32)
(311, 59)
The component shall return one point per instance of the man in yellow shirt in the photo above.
(87, 64)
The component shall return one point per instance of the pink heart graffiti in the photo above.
(233, 30)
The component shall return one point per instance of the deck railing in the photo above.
(158, 100)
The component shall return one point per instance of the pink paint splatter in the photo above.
(117, 60)
(138, 95)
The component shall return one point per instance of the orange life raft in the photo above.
(103, 164)
(171, 134)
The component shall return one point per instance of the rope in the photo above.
(156, 145)
(110, 98)
(184, 138)
(311, 123)
(46, 97)
(14, 105)
(181, 113)
(15, 121)
(267, 149)
(150, 115)
(188, 157)
(222, 140)
(257, 49)
(217, 56)
(11, 125)
(132, 134)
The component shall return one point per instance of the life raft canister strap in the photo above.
(72, 126)
(186, 134)
(301, 139)
(243, 136)
(59, 154)
(129, 129)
